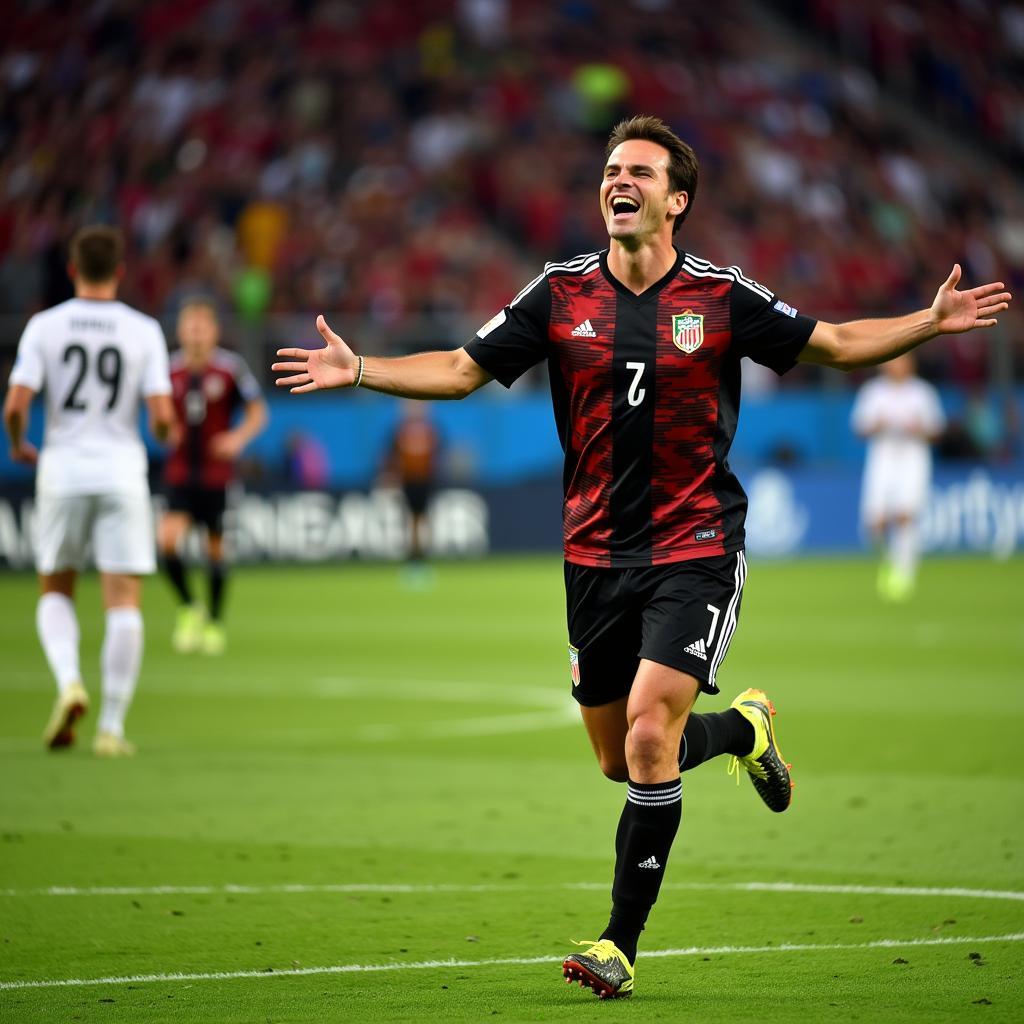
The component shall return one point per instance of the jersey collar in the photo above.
(648, 293)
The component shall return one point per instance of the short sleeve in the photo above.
(28, 369)
(156, 379)
(517, 337)
(245, 382)
(768, 330)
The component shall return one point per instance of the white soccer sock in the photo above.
(57, 626)
(904, 549)
(120, 660)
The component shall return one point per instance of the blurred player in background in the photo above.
(210, 385)
(643, 343)
(900, 416)
(97, 360)
(411, 463)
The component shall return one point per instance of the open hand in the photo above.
(333, 366)
(954, 312)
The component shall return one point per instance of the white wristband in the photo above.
(359, 374)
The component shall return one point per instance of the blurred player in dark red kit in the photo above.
(209, 385)
(412, 464)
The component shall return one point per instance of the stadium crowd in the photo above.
(962, 61)
(410, 161)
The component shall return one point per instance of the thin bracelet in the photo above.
(359, 375)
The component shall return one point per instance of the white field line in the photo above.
(421, 965)
(412, 889)
(432, 691)
(559, 710)
(462, 728)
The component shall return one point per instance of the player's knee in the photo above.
(614, 767)
(649, 742)
(167, 538)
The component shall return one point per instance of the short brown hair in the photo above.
(97, 252)
(682, 161)
(200, 302)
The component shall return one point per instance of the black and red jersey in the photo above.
(646, 393)
(204, 403)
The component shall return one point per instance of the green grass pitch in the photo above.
(375, 777)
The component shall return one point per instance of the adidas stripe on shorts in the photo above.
(682, 615)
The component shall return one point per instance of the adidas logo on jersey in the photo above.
(651, 863)
(584, 330)
(697, 649)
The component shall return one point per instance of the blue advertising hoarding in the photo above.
(792, 512)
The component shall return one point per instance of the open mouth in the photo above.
(623, 206)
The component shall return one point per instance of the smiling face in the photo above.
(636, 198)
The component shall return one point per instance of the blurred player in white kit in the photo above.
(97, 360)
(899, 415)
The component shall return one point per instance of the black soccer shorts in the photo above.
(417, 495)
(682, 615)
(205, 505)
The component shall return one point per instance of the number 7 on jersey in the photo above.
(636, 393)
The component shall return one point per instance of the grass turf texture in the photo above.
(359, 733)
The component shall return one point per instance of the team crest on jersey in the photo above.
(574, 664)
(213, 387)
(688, 331)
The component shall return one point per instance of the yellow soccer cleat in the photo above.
(602, 967)
(899, 586)
(106, 744)
(69, 707)
(188, 629)
(768, 771)
(214, 641)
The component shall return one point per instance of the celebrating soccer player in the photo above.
(97, 360)
(643, 343)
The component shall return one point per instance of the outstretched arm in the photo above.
(426, 375)
(869, 342)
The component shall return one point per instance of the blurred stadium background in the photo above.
(404, 166)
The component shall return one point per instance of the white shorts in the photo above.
(117, 528)
(894, 487)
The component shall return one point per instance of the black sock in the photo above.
(647, 827)
(218, 578)
(707, 736)
(174, 567)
